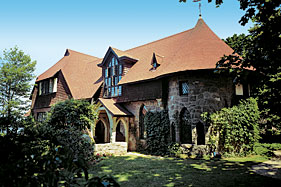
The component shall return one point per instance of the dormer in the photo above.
(47, 86)
(115, 65)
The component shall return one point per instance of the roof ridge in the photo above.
(128, 50)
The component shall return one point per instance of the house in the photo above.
(174, 73)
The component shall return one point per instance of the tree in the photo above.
(262, 53)
(238, 43)
(16, 72)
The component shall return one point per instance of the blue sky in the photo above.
(45, 29)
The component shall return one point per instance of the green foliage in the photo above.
(41, 154)
(51, 153)
(16, 72)
(238, 43)
(235, 130)
(158, 132)
(76, 113)
(175, 149)
(266, 149)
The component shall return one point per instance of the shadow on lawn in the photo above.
(157, 171)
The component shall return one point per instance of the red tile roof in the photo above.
(80, 71)
(194, 49)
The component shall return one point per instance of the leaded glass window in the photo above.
(184, 88)
(112, 76)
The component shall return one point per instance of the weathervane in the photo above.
(199, 6)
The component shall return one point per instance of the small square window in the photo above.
(184, 88)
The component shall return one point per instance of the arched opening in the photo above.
(200, 134)
(142, 113)
(173, 132)
(185, 127)
(120, 132)
(100, 132)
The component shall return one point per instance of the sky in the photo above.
(44, 29)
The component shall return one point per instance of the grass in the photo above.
(142, 170)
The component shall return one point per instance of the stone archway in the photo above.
(120, 132)
(173, 132)
(100, 131)
(185, 127)
(200, 134)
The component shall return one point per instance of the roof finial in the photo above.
(199, 7)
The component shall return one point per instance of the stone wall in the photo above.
(208, 92)
(116, 148)
(134, 108)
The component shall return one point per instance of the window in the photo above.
(120, 91)
(239, 89)
(112, 76)
(142, 128)
(106, 72)
(109, 81)
(120, 69)
(116, 90)
(184, 88)
(41, 116)
(48, 86)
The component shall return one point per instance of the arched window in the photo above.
(200, 134)
(120, 132)
(99, 133)
(173, 132)
(142, 113)
(185, 127)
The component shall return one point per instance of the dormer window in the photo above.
(48, 86)
(112, 75)
(154, 62)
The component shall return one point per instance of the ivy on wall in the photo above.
(158, 132)
(234, 130)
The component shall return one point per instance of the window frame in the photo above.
(112, 76)
(47, 86)
(181, 88)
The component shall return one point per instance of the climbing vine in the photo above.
(158, 132)
(236, 129)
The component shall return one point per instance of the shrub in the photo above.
(158, 132)
(47, 154)
(235, 130)
(266, 149)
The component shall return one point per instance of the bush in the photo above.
(77, 113)
(158, 132)
(266, 149)
(50, 153)
(235, 130)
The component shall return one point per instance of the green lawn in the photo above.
(146, 171)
